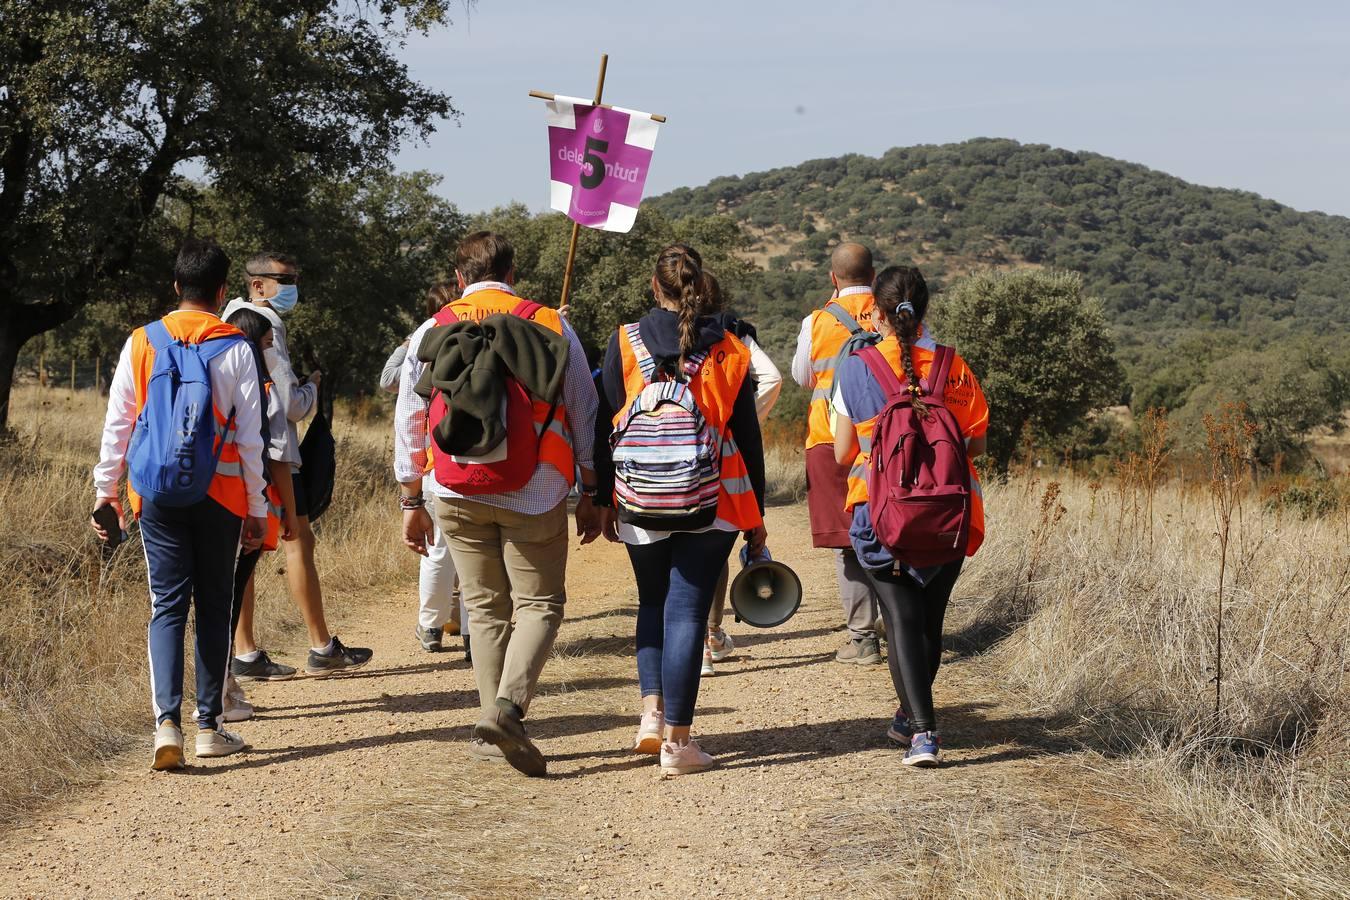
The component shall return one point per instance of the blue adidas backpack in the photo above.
(172, 456)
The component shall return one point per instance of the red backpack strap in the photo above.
(882, 372)
(935, 385)
(526, 309)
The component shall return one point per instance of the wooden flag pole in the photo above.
(545, 95)
(576, 226)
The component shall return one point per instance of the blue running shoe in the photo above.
(901, 730)
(923, 750)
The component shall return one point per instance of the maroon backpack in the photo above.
(918, 480)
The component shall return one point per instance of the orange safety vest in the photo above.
(715, 388)
(555, 440)
(967, 404)
(827, 339)
(192, 327)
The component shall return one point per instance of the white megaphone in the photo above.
(765, 593)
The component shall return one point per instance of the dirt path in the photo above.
(359, 785)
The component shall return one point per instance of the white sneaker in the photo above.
(707, 668)
(218, 743)
(236, 709)
(649, 733)
(683, 759)
(168, 747)
(721, 645)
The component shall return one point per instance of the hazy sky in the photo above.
(1233, 94)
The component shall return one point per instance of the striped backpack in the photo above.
(667, 460)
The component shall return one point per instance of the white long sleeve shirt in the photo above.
(234, 385)
(768, 380)
(297, 400)
(547, 488)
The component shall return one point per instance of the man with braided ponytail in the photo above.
(823, 336)
(913, 599)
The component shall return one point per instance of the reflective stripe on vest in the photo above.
(828, 336)
(857, 473)
(714, 388)
(193, 327)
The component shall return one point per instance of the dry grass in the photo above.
(73, 685)
(1118, 638)
(785, 472)
(1106, 633)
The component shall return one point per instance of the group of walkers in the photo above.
(209, 508)
(501, 417)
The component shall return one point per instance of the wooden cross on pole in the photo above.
(576, 226)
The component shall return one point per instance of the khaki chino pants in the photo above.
(509, 563)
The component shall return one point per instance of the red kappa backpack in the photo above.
(918, 480)
(511, 464)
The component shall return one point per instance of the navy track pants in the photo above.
(190, 553)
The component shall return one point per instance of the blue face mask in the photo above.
(286, 297)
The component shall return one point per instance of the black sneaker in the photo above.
(339, 659)
(261, 669)
(430, 638)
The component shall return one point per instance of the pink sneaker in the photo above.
(649, 734)
(683, 760)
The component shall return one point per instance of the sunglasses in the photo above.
(278, 277)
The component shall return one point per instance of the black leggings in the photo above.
(243, 571)
(913, 616)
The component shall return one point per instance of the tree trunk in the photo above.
(10, 343)
(19, 323)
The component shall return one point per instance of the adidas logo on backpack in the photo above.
(173, 454)
(667, 462)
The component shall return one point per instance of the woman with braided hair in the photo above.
(681, 422)
(913, 600)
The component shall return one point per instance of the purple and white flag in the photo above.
(598, 161)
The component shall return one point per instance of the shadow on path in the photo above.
(555, 727)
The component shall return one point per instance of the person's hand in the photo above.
(418, 531)
(121, 520)
(316, 377)
(609, 523)
(564, 309)
(290, 525)
(756, 538)
(255, 529)
(588, 520)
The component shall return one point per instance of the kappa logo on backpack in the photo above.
(174, 453)
(918, 477)
(667, 460)
(510, 465)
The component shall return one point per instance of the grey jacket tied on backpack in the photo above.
(470, 362)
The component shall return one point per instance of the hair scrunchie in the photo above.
(904, 306)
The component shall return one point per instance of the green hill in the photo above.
(1171, 260)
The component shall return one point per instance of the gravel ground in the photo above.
(358, 785)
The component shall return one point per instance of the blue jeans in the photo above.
(190, 553)
(676, 579)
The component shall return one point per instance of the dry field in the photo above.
(1085, 753)
(73, 684)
